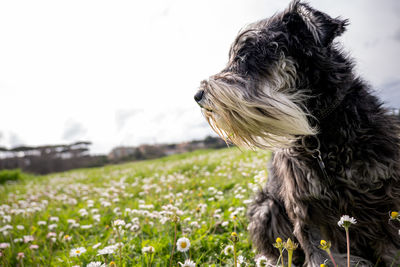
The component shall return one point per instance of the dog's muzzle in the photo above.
(199, 96)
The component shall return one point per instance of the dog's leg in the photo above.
(268, 220)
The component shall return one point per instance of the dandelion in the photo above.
(262, 261)
(394, 215)
(77, 251)
(188, 263)
(345, 222)
(326, 245)
(279, 245)
(183, 244)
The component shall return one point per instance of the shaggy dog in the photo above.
(288, 86)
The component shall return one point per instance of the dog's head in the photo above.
(259, 99)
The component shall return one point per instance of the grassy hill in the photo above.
(115, 213)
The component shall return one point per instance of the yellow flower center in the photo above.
(77, 252)
(66, 236)
(234, 234)
(112, 264)
(323, 243)
(278, 240)
(183, 244)
(394, 214)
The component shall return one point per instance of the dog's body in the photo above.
(286, 79)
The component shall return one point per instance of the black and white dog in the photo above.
(288, 86)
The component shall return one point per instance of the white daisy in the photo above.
(96, 245)
(148, 249)
(183, 244)
(77, 251)
(96, 264)
(346, 221)
(228, 250)
(106, 250)
(188, 263)
(118, 223)
(261, 261)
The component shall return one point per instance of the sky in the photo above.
(125, 72)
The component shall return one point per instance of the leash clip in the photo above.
(314, 150)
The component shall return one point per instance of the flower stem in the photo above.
(173, 247)
(234, 254)
(348, 246)
(333, 261)
(280, 252)
(290, 255)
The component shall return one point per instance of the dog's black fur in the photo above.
(360, 147)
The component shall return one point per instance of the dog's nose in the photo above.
(199, 95)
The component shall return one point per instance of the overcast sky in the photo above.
(124, 72)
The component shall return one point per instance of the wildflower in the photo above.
(188, 263)
(183, 244)
(77, 251)
(394, 215)
(241, 260)
(51, 234)
(106, 250)
(261, 261)
(4, 245)
(33, 246)
(290, 247)
(86, 226)
(149, 250)
(20, 255)
(234, 237)
(228, 250)
(112, 264)
(324, 245)
(224, 223)
(67, 238)
(118, 223)
(346, 221)
(28, 238)
(20, 227)
(279, 245)
(95, 264)
(323, 265)
(96, 245)
(52, 226)
(54, 219)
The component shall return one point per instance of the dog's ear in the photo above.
(322, 27)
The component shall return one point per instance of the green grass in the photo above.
(195, 193)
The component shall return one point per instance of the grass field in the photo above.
(133, 214)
